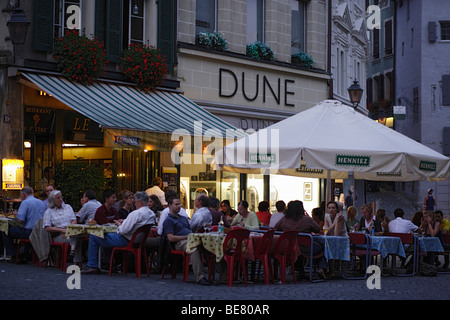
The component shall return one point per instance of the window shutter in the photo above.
(446, 90)
(43, 25)
(446, 140)
(388, 37)
(166, 31)
(108, 26)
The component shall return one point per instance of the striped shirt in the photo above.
(59, 217)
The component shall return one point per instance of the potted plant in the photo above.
(79, 58)
(144, 65)
(211, 40)
(73, 178)
(303, 59)
(260, 51)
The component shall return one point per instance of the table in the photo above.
(84, 230)
(429, 244)
(387, 245)
(6, 222)
(335, 247)
(213, 242)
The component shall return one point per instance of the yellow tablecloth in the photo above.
(6, 222)
(84, 230)
(213, 242)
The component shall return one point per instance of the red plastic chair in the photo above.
(232, 254)
(61, 257)
(284, 252)
(185, 257)
(306, 244)
(262, 253)
(446, 245)
(360, 246)
(136, 246)
(407, 239)
(21, 243)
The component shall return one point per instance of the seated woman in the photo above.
(227, 211)
(245, 219)
(296, 219)
(263, 213)
(334, 220)
(56, 218)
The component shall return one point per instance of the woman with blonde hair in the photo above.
(352, 219)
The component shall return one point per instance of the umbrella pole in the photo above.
(328, 193)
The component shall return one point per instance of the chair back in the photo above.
(232, 244)
(286, 243)
(446, 238)
(304, 239)
(265, 243)
(357, 238)
(406, 238)
(139, 236)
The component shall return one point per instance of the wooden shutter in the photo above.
(388, 37)
(43, 25)
(166, 31)
(109, 25)
(446, 90)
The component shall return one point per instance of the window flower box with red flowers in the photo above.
(144, 65)
(79, 58)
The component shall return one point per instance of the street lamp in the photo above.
(18, 27)
(355, 92)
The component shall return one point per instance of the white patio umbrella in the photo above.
(330, 140)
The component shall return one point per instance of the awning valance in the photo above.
(124, 107)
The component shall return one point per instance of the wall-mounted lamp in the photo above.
(355, 92)
(18, 27)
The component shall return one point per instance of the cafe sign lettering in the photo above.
(427, 166)
(352, 160)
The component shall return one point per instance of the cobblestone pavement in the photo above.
(24, 282)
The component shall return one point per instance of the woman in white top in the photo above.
(56, 218)
(334, 220)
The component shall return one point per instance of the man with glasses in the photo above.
(125, 230)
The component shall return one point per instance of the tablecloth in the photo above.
(213, 242)
(430, 244)
(335, 247)
(84, 230)
(6, 222)
(387, 245)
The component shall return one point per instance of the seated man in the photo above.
(30, 211)
(126, 228)
(202, 216)
(176, 230)
(90, 206)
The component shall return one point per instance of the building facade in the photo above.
(239, 92)
(422, 84)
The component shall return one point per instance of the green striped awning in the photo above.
(126, 108)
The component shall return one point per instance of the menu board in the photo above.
(12, 174)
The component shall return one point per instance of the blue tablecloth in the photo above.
(387, 245)
(430, 244)
(335, 247)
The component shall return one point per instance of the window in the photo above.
(67, 16)
(445, 30)
(297, 26)
(376, 43)
(118, 23)
(205, 16)
(135, 23)
(388, 37)
(255, 21)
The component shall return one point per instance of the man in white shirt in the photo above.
(400, 225)
(125, 230)
(90, 206)
(281, 208)
(202, 217)
(156, 189)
